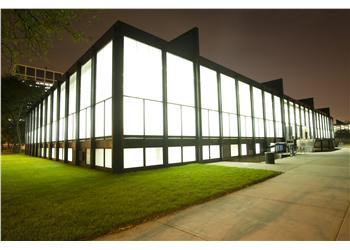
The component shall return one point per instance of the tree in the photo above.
(31, 32)
(17, 96)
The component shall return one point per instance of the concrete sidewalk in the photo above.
(310, 201)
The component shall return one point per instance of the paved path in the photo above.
(310, 201)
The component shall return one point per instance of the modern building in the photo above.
(135, 101)
(340, 125)
(40, 76)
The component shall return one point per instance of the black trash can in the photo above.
(269, 158)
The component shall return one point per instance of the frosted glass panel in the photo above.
(71, 127)
(225, 124)
(69, 154)
(104, 73)
(85, 85)
(174, 155)
(108, 158)
(233, 125)
(205, 122)
(142, 70)
(62, 100)
(243, 149)
(60, 154)
(99, 157)
(268, 106)
(54, 100)
(258, 103)
(133, 116)
(99, 119)
(228, 94)
(133, 157)
(205, 152)
(174, 120)
(234, 150)
(62, 130)
(72, 93)
(214, 151)
(188, 121)
(244, 99)
(189, 153)
(209, 89)
(154, 156)
(88, 151)
(82, 124)
(108, 117)
(153, 118)
(257, 148)
(214, 129)
(180, 80)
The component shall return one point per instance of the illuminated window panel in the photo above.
(243, 149)
(133, 116)
(70, 154)
(104, 73)
(60, 154)
(108, 117)
(278, 116)
(209, 88)
(99, 119)
(214, 129)
(174, 120)
(133, 157)
(205, 152)
(154, 156)
(188, 153)
(153, 118)
(188, 121)
(246, 126)
(61, 129)
(82, 124)
(99, 157)
(72, 93)
(214, 151)
(258, 103)
(71, 127)
(228, 94)
(257, 148)
(108, 158)
(244, 99)
(180, 80)
(142, 70)
(269, 115)
(85, 85)
(174, 155)
(63, 100)
(88, 152)
(53, 153)
(205, 122)
(234, 150)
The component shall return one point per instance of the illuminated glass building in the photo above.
(136, 101)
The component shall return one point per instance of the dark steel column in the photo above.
(218, 80)
(238, 117)
(58, 119)
(165, 109)
(93, 104)
(76, 153)
(252, 116)
(117, 101)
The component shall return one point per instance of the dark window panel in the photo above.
(40, 73)
(20, 69)
(49, 74)
(30, 72)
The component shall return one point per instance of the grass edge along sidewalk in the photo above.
(49, 200)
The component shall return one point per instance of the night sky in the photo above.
(309, 49)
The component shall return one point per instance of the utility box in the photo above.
(269, 158)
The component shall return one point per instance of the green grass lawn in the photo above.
(48, 200)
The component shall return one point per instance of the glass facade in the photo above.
(172, 109)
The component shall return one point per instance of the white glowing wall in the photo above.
(258, 113)
(209, 102)
(229, 106)
(245, 109)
